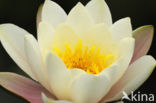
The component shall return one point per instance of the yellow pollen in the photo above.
(82, 57)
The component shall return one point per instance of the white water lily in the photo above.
(81, 57)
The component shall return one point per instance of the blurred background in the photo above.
(23, 13)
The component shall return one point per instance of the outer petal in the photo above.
(79, 18)
(22, 86)
(143, 40)
(121, 29)
(38, 20)
(12, 39)
(48, 100)
(45, 35)
(89, 88)
(120, 102)
(53, 13)
(60, 77)
(135, 76)
(35, 60)
(100, 12)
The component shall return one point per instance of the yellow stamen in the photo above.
(90, 60)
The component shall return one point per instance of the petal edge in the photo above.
(23, 86)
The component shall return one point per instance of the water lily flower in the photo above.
(81, 57)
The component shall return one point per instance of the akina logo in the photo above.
(138, 97)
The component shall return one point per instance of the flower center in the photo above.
(82, 57)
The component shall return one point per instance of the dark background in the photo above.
(23, 13)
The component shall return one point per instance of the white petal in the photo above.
(45, 35)
(100, 35)
(60, 77)
(79, 18)
(64, 34)
(89, 88)
(111, 72)
(100, 12)
(117, 69)
(75, 73)
(121, 29)
(47, 100)
(53, 13)
(12, 39)
(126, 47)
(35, 60)
(39, 12)
(136, 74)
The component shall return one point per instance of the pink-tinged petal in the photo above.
(23, 87)
(136, 74)
(143, 39)
(48, 100)
(120, 102)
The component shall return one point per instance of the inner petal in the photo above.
(90, 59)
